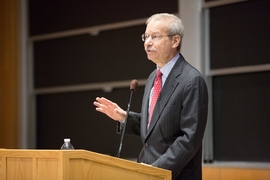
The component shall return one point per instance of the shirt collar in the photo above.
(168, 67)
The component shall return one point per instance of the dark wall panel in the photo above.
(73, 115)
(242, 117)
(60, 15)
(239, 34)
(111, 56)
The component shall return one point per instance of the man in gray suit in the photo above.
(172, 136)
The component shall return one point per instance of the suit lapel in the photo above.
(145, 104)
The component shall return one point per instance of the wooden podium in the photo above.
(72, 165)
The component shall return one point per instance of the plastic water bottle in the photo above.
(67, 145)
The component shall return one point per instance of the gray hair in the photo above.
(174, 24)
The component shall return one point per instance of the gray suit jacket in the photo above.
(174, 138)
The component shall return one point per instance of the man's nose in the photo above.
(148, 41)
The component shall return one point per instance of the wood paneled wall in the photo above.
(9, 38)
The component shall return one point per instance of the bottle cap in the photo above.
(66, 140)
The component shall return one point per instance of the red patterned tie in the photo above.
(155, 94)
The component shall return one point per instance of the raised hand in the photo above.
(110, 108)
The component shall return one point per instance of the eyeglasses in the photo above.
(154, 37)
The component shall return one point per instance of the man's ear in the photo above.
(176, 41)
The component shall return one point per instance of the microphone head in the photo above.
(133, 85)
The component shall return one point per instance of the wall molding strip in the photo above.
(94, 30)
(238, 70)
(105, 86)
(206, 5)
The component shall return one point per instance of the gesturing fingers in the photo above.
(109, 108)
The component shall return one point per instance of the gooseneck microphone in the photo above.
(133, 86)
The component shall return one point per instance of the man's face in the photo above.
(158, 45)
